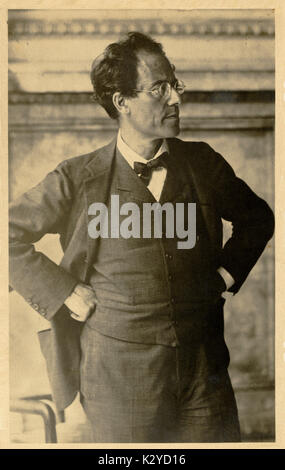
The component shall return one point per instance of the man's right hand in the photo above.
(81, 302)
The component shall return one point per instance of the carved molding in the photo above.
(261, 96)
(50, 98)
(106, 124)
(82, 27)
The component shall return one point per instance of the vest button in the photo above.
(173, 344)
(170, 277)
(172, 300)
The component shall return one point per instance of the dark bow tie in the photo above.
(144, 170)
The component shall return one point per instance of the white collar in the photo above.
(131, 156)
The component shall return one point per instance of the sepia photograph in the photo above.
(141, 226)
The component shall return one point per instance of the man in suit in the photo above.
(137, 322)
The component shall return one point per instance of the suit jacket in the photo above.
(59, 204)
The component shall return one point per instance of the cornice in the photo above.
(264, 96)
(187, 124)
(82, 27)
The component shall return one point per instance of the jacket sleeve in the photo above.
(41, 210)
(251, 217)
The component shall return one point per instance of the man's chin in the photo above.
(171, 127)
(173, 132)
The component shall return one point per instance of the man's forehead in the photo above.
(153, 66)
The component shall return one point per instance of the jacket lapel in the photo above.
(110, 174)
(80, 247)
(128, 185)
(189, 162)
(97, 186)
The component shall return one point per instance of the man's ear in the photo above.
(121, 103)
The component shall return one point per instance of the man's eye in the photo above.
(156, 91)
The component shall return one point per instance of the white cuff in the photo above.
(229, 280)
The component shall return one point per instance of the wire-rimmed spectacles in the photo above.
(163, 90)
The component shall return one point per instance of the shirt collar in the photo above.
(131, 156)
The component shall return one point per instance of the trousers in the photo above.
(133, 392)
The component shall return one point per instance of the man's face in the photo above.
(151, 117)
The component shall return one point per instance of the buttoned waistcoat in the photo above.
(59, 204)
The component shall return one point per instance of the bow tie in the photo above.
(144, 170)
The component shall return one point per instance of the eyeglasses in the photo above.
(163, 91)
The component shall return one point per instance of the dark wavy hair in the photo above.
(116, 69)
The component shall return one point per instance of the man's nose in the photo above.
(174, 98)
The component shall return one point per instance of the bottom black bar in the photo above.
(144, 458)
